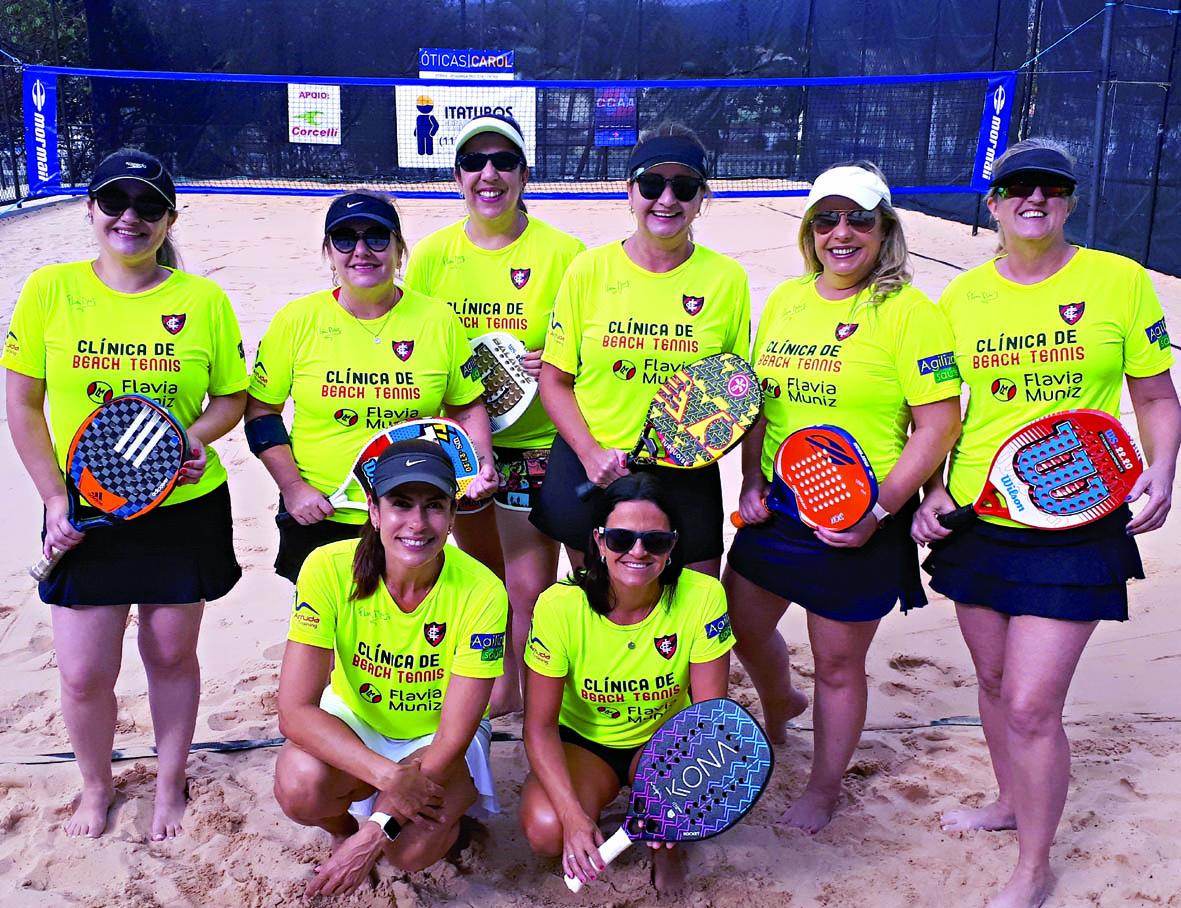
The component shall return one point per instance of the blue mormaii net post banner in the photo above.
(615, 117)
(994, 127)
(39, 99)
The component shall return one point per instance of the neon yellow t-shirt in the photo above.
(1027, 351)
(621, 331)
(346, 387)
(623, 682)
(851, 364)
(393, 668)
(510, 290)
(175, 343)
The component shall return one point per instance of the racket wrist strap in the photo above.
(880, 513)
(266, 431)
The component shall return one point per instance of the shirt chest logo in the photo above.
(403, 349)
(1072, 312)
(666, 645)
(434, 632)
(692, 304)
(845, 330)
(519, 277)
(173, 324)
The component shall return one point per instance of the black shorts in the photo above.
(1078, 574)
(618, 758)
(175, 554)
(784, 557)
(297, 541)
(562, 515)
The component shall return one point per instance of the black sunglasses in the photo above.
(113, 202)
(1023, 190)
(860, 219)
(655, 542)
(504, 161)
(651, 186)
(345, 241)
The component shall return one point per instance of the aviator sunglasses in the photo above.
(504, 161)
(651, 186)
(1023, 190)
(860, 219)
(655, 542)
(113, 202)
(377, 239)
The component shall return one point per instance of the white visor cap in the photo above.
(855, 183)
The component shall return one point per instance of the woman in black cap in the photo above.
(499, 268)
(1043, 314)
(354, 359)
(394, 642)
(81, 333)
(627, 316)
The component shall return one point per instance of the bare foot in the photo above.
(991, 817)
(1025, 889)
(90, 819)
(669, 871)
(810, 812)
(778, 712)
(169, 811)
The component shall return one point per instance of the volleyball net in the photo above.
(270, 134)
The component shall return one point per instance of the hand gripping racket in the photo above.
(1057, 472)
(124, 460)
(822, 478)
(697, 415)
(700, 774)
(508, 388)
(445, 432)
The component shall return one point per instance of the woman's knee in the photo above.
(165, 655)
(1031, 715)
(85, 678)
(539, 821)
(299, 785)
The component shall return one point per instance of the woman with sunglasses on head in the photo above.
(613, 652)
(81, 333)
(1028, 600)
(354, 360)
(872, 350)
(393, 645)
(628, 315)
(499, 268)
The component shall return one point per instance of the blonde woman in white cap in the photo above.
(851, 344)
(500, 268)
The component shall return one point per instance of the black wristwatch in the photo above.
(388, 824)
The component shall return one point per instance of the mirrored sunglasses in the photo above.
(504, 161)
(860, 219)
(1023, 190)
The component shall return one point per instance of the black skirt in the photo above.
(784, 557)
(175, 554)
(1078, 574)
(297, 541)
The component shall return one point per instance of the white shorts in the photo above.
(479, 755)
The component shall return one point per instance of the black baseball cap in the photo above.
(357, 205)
(667, 150)
(414, 460)
(1035, 163)
(135, 165)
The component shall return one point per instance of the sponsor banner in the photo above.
(39, 99)
(454, 63)
(615, 117)
(994, 128)
(429, 118)
(313, 114)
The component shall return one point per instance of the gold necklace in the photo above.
(376, 335)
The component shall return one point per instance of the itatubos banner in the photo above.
(994, 128)
(39, 98)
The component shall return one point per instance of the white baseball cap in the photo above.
(851, 182)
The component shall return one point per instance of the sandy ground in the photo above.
(1117, 846)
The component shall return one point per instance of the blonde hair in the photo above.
(1025, 145)
(891, 272)
(677, 130)
(395, 235)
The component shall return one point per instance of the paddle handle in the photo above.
(958, 519)
(608, 851)
(45, 566)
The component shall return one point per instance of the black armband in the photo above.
(264, 432)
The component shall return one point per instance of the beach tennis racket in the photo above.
(701, 773)
(354, 490)
(822, 478)
(508, 388)
(1061, 471)
(123, 461)
(697, 415)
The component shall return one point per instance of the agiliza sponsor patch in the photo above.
(941, 366)
(491, 646)
(1158, 334)
(720, 628)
